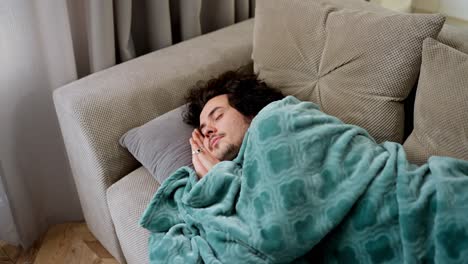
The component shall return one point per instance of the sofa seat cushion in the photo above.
(358, 65)
(127, 199)
(441, 107)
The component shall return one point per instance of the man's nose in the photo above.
(210, 130)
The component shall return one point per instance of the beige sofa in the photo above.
(94, 112)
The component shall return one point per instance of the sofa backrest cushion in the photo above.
(441, 107)
(453, 36)
(358, 65)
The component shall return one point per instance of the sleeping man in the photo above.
(276, 180)
(222, 109)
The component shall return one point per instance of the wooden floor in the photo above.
(70, 243)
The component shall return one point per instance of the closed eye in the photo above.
(219, 117)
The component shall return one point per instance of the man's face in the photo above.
(223, 128)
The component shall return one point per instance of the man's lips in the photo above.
(215, 140)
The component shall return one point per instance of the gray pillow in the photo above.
(440, 119)
(161, 145)
(357, 65)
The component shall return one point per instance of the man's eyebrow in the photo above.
(209, 116)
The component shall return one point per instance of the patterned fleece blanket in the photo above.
(307, 188)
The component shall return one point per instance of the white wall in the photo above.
(426, 5)
(453, 8)
(399, 5)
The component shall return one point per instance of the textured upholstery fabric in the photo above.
(161, 145)
(127, 200)
(135, 92)
(94, 112)
(357, 65)
(441, 107)
(455, 37)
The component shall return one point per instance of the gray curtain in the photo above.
(107, 32)
(8, 231)
(49, 43)
(36, 187)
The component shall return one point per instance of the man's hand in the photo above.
(202, 158)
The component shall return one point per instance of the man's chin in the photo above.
(228, 153)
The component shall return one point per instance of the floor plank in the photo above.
(72, 243)
(16, 255)
(8, 253)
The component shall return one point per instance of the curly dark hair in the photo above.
(246, 93)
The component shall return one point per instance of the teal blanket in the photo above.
(307, 188)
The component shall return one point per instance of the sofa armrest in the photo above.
(94, 112)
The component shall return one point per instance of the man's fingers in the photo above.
(207, 159)
(202, 160)
(198, 133)
(199, 167)
(196, 145)
(197, 137)
(201, 172)
(206, 142)
(193, 144)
